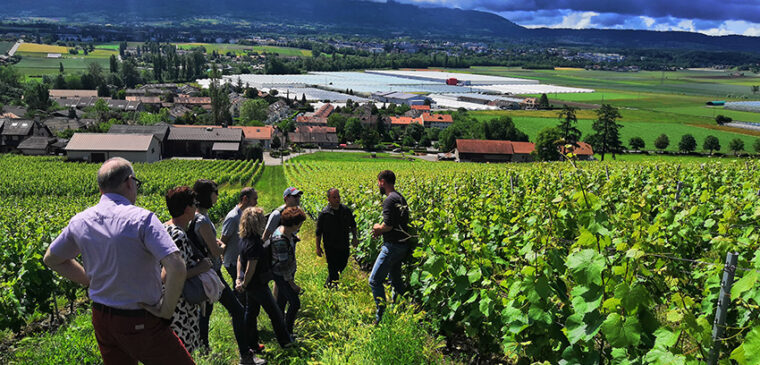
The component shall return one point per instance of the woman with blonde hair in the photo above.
(254, 274)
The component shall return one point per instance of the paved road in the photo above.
(15, 48)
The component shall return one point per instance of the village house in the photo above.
(441, 121)
(72, 94)
(277, 111)
(37, 146)
(324, 137)
(202, 141)
(193, 101)
(583, 151)
(257, 135)
(16, 131)
(404, 122)
(99, 147)
(159, 130)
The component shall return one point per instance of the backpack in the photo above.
(266, 275)
(279, 209)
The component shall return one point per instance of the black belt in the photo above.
(120, 312)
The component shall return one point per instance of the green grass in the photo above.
(244, 49)
(646, 130)
(36, 67)
(348, 157)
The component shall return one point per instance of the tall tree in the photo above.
(253, 110)
(711, 144)
(37, 96)
(220, 101)
(607, 136)
(567, 125)
(662, 142)
(543, 102)
(504, 129)
(687, 143)
(548, 142)
(113, 64)
(128, 73)
(736, 145)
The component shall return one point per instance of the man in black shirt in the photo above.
(334, 224)
(394, 229)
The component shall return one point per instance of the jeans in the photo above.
(291, 297)
(337, 259)
(388, 262)
(237, 312)
(232, 270)
(260, 296)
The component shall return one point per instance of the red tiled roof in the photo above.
(484, 146)
(320, 129)
(583, 149)
(324, 111)
(405, 120)
(440, 118)
(523, 147)
(420, 107)
(490, 147)
(260, 133)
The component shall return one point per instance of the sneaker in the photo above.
(251, 359)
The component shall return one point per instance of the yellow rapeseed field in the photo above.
(42, 48)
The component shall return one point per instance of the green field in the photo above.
(647, 130)
(243, 49)
(699, 83)
(36, 67)
(5, 47)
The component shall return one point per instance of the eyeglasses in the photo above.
(138, 183)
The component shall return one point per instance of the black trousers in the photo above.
(260, 296)
(337, 259)
(230, 302)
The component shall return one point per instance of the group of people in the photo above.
(136, 268)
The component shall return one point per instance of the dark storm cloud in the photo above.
(747, 10)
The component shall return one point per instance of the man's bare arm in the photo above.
(68, 268)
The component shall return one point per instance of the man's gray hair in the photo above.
(330, 191)
(113, 173)
(247, 191)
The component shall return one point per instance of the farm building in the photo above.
(16, 130)
(60, 124)
(319, 136)
(193, 101)
(37, 146)
(158, 130)
(475, 150)
(199, 141)
(399, 98)
(12, 112)
(81, 103)
(257, 135)
(98, 147)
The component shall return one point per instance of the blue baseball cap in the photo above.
(291, 191)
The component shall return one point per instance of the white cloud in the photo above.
(577, 20)
(647, 20)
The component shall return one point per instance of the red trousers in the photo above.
(129, 339)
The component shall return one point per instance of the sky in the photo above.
(712, 17)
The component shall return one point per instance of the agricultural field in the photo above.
(243, 49)
(57, 190)
(35, 63)
(569, 262)
(5, 47)
(646, 130)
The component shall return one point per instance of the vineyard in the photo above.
(40, 194)
(570, 264)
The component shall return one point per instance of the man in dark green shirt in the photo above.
(394, 229)
(334, 224)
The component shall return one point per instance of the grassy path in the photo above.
(333, 327)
